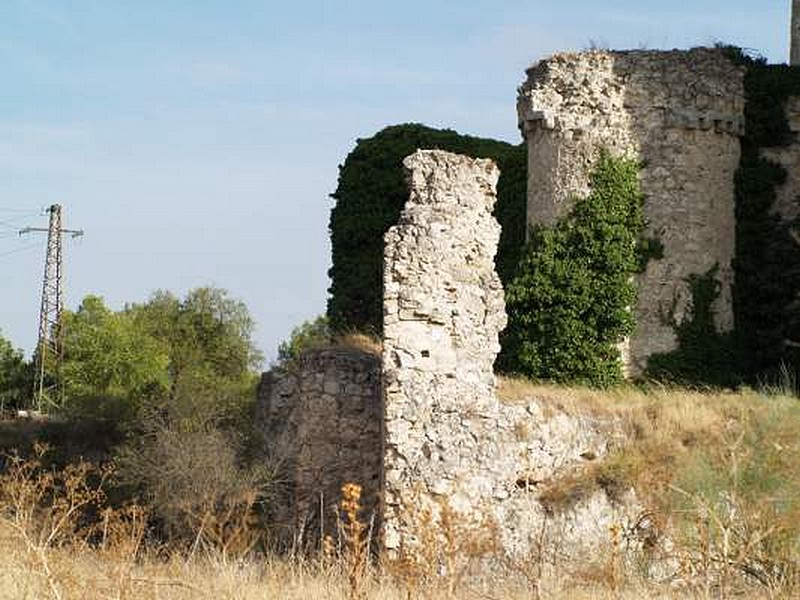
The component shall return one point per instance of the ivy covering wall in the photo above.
(767, 291)
(570, 289)
(766, 294)
(704, 356)
(370, 196)
(569, 304)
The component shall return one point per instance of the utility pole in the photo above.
(48, 389)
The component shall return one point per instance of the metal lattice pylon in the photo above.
(48, 392)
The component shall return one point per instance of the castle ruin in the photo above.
(423, 426)
(431, 432)
(681, 114)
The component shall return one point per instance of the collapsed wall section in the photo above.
(443, 311)
(421, 428)
(681, 113)
(321, 419)
(449, 441)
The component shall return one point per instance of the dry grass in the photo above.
(671, 432)
(355, 340)
(95, 575)
(719, 472)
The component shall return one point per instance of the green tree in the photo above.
(314, 333)
(193, 353)
(203, 419)
(569, 304)
(205, 330)
(207, 336)
(16, 376)
(109, 357)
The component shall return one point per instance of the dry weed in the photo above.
(45, 510)
(354, 531)
(443, 552)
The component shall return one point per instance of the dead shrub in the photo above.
(46, 510)
(195, 485)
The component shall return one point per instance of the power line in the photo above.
(29, 211)
(9, 223)
(9, 234)
(19, 249)
(48, 383)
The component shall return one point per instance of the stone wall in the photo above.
(423, 427)
(681, 113)
(449, 439)
(443, 310)
(321, 418)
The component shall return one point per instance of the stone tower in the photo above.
(681, 113)
(794, 59)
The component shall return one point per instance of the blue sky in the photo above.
(197, 141)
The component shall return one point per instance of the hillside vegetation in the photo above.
(719, 474)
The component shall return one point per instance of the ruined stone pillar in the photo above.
(794, 52)
(681, 113)
(443, 310)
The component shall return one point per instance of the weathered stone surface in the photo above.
(681, 112)
(321, 419)
(443, 310)
(448, 437)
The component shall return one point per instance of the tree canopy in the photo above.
(16, 383)
(184, 353)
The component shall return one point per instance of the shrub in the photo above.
(191, 477)
(370, 196)
(569, 304)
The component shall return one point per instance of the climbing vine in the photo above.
(767, 261)
(371, 194)
(570, 303)
(767, 264)
(704, 355)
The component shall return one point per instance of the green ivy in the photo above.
(704, 356)
(767, 263)
(371, 194)
(569, 305)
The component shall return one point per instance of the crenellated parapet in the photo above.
(682, 114)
